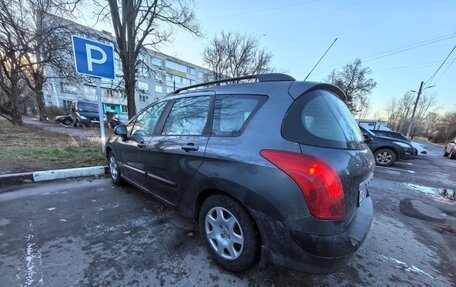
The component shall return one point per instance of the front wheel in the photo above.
(114, 170)
(229, 233)
(385, 157)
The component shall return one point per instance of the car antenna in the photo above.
(330, 46)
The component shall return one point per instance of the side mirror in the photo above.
(367, 138)
(121, 130)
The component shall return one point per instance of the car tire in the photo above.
(452, 155)
(114, 170)
(445, 152)
(67, 122)
(385, 157)
(229, 233)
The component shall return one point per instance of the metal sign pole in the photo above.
(100, 116)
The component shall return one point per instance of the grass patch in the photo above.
(26, 148)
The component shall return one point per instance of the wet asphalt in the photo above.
(88, 232)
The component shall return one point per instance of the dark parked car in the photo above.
(267, 166)
(86, 109)
(76, 120)
(450, 149)
(387, 150)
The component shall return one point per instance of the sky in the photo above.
(402, 42)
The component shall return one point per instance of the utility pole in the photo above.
(410, 128)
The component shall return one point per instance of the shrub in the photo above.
(54, 111)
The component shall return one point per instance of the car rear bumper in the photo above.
(316, 254)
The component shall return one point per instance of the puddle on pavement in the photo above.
(440, 192)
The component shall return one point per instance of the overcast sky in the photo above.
(403, 42)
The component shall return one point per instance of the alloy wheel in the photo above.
(384, 157)
(113, 168)
(224, 233)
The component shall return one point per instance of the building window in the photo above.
(68, 88)
(143, 71)
(118, 65)
(200, 75)
(192, 71)
(156, 62)
(124, 109)
(170, 78)
(143, 98)
(158, 76)
(159, 88)
(176, 66)
(142, 86)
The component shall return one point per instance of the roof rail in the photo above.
(273, 77)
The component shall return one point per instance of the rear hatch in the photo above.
(324, 127)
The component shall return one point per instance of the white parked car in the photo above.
(420, 149)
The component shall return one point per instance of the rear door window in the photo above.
(320, 118)
(188, 116)
(232, 112)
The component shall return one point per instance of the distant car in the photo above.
(67, 121)
(450, 149)
(86, 109)
(387, 150)
(419, 149)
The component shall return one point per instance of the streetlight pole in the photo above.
(410, 128)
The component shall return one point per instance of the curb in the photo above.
(37, 176)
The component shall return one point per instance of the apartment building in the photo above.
(157, 75)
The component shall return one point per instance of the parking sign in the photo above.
(93, 58)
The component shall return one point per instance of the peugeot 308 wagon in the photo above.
(269, 167)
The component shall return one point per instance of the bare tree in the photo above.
(354, 81)
(400, 110)
(235, 55)
(141, 23)
(11, 83)
(39, 39)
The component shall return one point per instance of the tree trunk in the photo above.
(38, 89)
(130, 93)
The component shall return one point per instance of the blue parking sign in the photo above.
(93, 58)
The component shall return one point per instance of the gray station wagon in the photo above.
(272, 169)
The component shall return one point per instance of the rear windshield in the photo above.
(320, 118)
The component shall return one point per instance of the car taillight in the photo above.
(318, 181)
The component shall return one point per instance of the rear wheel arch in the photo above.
(205, 194)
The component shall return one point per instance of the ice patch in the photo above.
(440, 192)
(409, 268)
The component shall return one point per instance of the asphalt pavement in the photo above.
(88, 232)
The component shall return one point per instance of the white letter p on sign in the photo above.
(91, 60)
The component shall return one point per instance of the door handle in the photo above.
(141, 144)
(190, 147)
